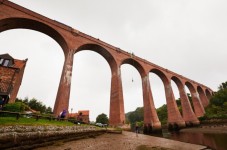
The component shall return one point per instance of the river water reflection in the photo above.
(213, 141)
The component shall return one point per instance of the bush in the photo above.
(202, 118)
(15, 107)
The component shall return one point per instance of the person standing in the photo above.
(137, 129)
(2, 100)
(63, 114)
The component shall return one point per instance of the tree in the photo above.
(102, 118)
(48, 110)
(218, 103)
(223, 86)
(15, 107)
(162, 114)
(135, 116)
(219, 98)
(35, 105)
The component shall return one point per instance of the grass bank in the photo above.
(7, 121)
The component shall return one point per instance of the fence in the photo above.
(36, 116)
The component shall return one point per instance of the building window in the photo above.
(1, 61)
(6, 62)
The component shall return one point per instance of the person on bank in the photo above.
(63, 114)
(137, 129)
(2, 100)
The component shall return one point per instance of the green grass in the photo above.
(31, 121)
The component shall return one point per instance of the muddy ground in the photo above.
(124, 141)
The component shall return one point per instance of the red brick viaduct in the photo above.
(13, 16)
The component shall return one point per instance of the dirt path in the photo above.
(124, 141)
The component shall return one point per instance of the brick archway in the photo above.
(174, 116)
(35, 25)
(202, 96)
(102, 51)
(116, 113)
(26, 23)
(198, 107)
(135, 64)
(188, 114)
(13, 16)
(208, 93)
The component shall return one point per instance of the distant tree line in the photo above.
(134, 117)
(138, 116)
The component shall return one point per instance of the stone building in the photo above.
(82, 116)
(11, 75)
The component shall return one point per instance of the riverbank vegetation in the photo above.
(26, 104)
(135, 116)
(138, 116)
(217, 108)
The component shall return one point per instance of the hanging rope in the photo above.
(132, 62)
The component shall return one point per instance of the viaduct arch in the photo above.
(13, 16)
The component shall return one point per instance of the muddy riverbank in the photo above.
(124, 141)
(207, 129)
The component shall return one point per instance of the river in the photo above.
(216, 141)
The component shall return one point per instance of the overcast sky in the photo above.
(187, 37)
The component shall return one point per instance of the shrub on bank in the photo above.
(16, 107)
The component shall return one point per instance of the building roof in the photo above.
(6, 56)
(15, 63)
(73, 114)
(84, 112)
(19, 63)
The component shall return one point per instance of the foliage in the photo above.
(219, 98)
(162, 111)
(102, 118)
(16, 107)
(162, 114)
(218, 104)
(35, 105)
(135, 116)
(223, 86)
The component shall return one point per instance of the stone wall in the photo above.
(29, 137)
(7, 78)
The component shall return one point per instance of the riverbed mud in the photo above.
(124, 141)
(217, 129)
